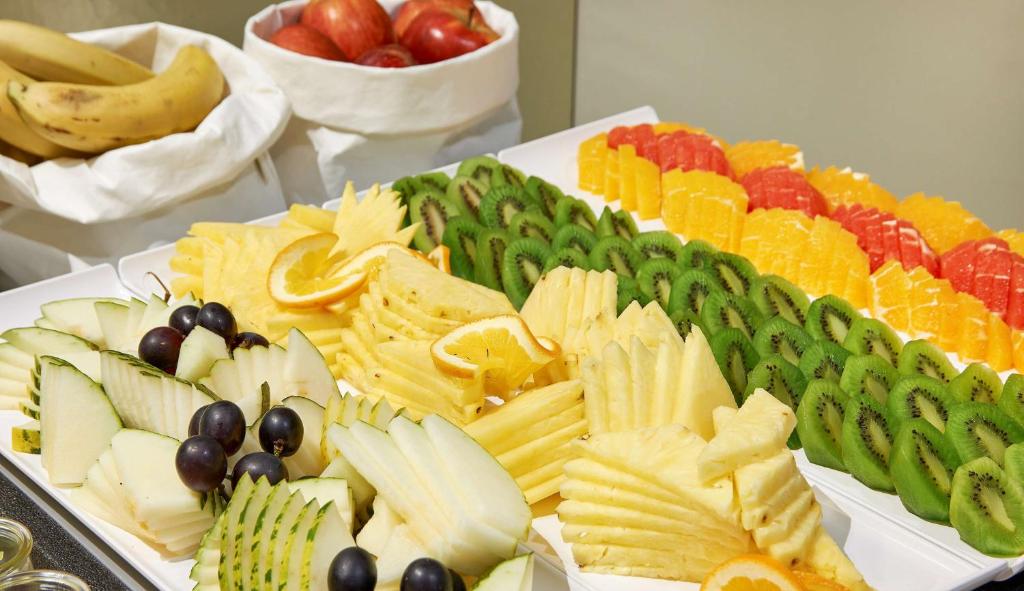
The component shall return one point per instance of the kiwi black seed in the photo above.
(977, 383)
(627, 293)
(619, 223)
(829, 318)
(775, 296)
(501, 204)
(987, 508)
(570, 210)
(434, 180)
(567, 257)
(734, 353)
(780, 336)
(479, 167)
(460, 236)
(697, 254)
(1011, 400)
(655, 277)
(869, 375)
(504, 175)
(617, 254)
(921, 397)
(921, 357)
(659, 244)
(874, 337)
(544, 194)
(469, 192)
(532, 224)
(684, 321)
(867, 439)
(977, 429)
(722, 310)
(521, 268)
(922, 464)
(432, 210)
(490, 252)
(824, 360)
(690, 289)
(575, 237)
(735, 273)
(820, 423)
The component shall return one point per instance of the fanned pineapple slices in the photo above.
(751, 572)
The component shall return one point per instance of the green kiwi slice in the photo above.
(655, 277)
(697, 254)
(501, 204)
(544, 194)
(775, 296)
(779, 336)
(1013, 462)
(829, 318)
(922, 464)
(690, 289)
(869, 375)
(867, 438)
(406, 187)
(434, 180)
(567, 257)
(977, 383)
(570, 210)
(868, 336)
(734, 272)
(432, 210)
(987, 508)
(779, 378)
(627, 293)
(617, 254)
(490, 252)
(479, 168)
(824, 360)
(921, 397)
(521, 268)
(734, 353)
(460, 236)
(819, 423)
(659, 244)
(504, 175)
(618, 223)
(923, 358)
(532, 224)
(977, 429)
(575, 237)
(684, 321)
(467, 191)
(722, 310)
(1011, 400)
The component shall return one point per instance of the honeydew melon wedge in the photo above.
(515, 574)
(77, 316)
(112, 318)
(25, 438)
(259, 543)
(241, 542)
(327, 490)
(375, 534)
(240, 378)
(295, 543)
(204, 571)
(402, 548)
(275, 550)
(362, 492)
(306, 373)
(233, 527)
(143, 317)
(199, 351)
(328, 536)
(44, 323)
(347, 409)
(306, 461)
(44, 341)
(29, 409)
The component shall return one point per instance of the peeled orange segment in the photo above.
(1014, 238)
(774, 240)
(703, 205)
(627, 177)
(501, 348)
(590, 163)
(845, 187)
(751, 572)
(301, 275)
(972, 341)
(890, 292)
(611, 175)
(1000, 346)
(745, 157)
(944, 224)
(441, 258)
(814, 582)
(1017, 343)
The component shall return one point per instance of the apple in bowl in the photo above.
(307, 41)
(387, 56)
(443, 29)
(355, 26)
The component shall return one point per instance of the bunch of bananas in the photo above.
(63, 98)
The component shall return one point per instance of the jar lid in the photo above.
(15, 546)
(42, 580)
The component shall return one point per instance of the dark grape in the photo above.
(217, 318)
(426, 574)
(248, 340)
(457, 583)
(184, 319)
(160, 347)
(281, 431)
(224, 421)
(259, 464)
(193, 424)
(201, 463)
(353, 569)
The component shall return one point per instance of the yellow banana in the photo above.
(50, 55)
(94, 119)
(16, 132)
(17, 154)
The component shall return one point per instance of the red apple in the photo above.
(355, 26)
(307, 41)
(387, 56)
(464, 10)
(437, 34)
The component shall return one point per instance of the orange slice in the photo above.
(751, 572)
(944, 224)
(845, 187)
(300, 275)
(744, 157)
(815, 582)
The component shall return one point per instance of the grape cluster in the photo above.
(161, 346)
(354, 569)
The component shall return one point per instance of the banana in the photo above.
(94, 119)
(16, 132)
(17, 154)
(45, 54)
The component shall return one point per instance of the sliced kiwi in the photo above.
(867, 438)
(779, 336)
(722, 310)
(618, 223)
(922, 464)
(434, 180)
(684, 321)
(490, 252)
(697, 254)
(824, 360)
(575, 237)
(1013, 462)
(655, 277)
(977, 429)
(406, 187)
(779, 378)
(1011, 400)
(868, 336)
(467, 191)
(987, 508)
(977, 383)
(775, 296)
(869, 375)
(479, 168)
(659, 244)
(567, 257)
(690, 289)
(532, 224)
(820, 423)
(829, 318)
(544, 194)
(734, 353)
(521, 268)
(504, 175)
(734, 272)
(921, 357)
(921, 397)
(460, 236)
(432, 210)
(501, 204)
(570, 210)
(617, 254)
(627, 293)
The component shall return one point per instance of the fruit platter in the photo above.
(590, 362)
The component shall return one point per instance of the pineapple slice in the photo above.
(378, 217)
(757, 432)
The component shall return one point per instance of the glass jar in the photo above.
(42, 580)
(15, 547)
